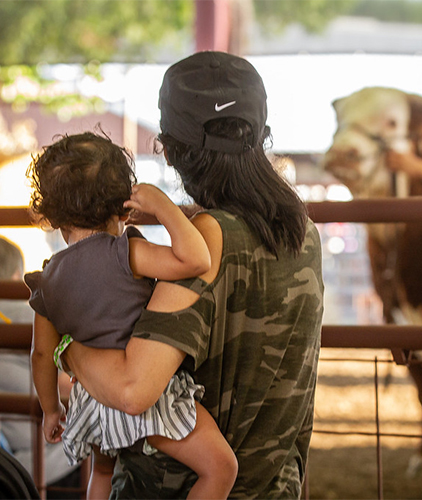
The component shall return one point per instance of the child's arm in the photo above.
(187, 257)
(44, 373)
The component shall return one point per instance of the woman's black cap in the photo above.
(209, 85)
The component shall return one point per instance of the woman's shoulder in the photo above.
(217, 217)
(211, 230)
(312, 230)
(207, 219)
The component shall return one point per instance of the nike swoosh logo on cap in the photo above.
(223, 106)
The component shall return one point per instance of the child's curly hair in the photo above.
(80, 181)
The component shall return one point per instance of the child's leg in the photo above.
(207, 453)
(99, 486)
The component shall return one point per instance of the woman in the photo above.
(249, 328)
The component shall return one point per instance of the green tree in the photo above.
(405, 11)
(76, 31)
(92, 32)
(314, 15)
(86, 32)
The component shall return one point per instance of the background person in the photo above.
(249, 327)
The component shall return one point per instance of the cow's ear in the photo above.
(338, 105)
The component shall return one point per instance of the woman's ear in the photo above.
(166, 156)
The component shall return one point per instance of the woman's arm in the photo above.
(188, 255)
(134, 379)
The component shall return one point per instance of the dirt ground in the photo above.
(344, 466)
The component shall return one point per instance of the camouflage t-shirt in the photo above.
(253, 341)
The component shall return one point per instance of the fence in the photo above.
(401, 340)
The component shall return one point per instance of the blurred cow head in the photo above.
(368, 122)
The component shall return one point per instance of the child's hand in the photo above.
(52, 427)
(148, 199)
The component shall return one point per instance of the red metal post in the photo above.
(38, 457)
(212, 25)
(378, 433)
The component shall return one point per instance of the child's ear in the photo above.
(124, 218)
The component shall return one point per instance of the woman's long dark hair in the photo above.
(244, 184)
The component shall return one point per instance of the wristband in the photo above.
(59, 350)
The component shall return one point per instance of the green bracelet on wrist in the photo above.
(59, 350)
